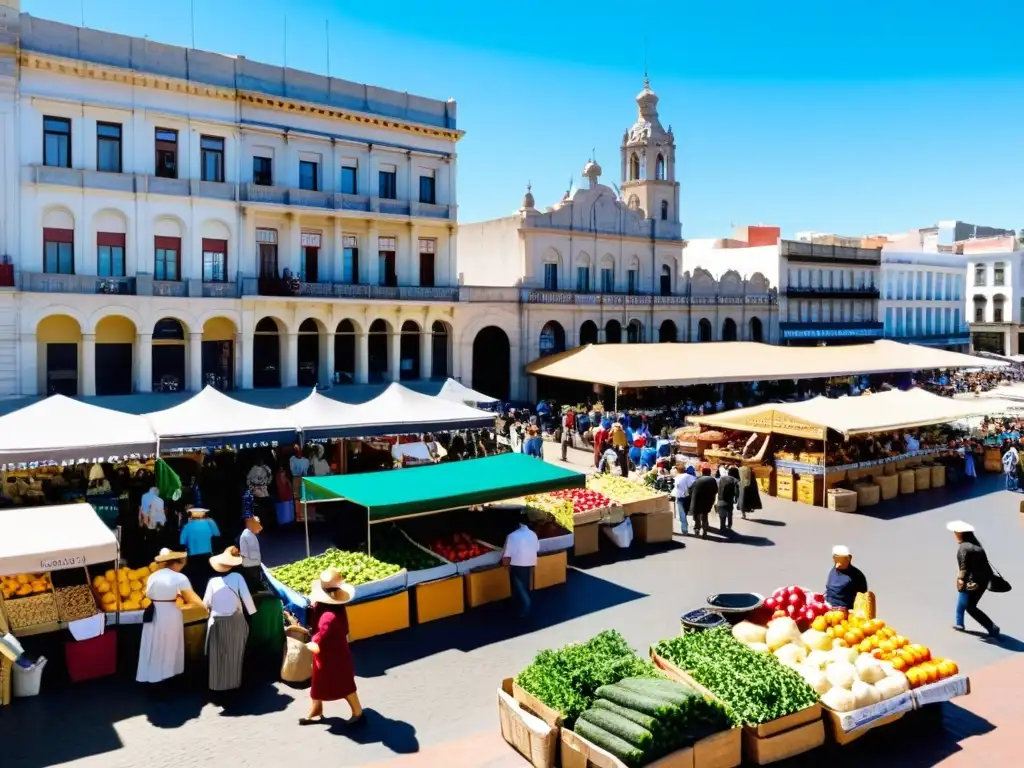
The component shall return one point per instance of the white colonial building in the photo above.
(171, 218)
(995, 301)
(601, 266)
(923, 298)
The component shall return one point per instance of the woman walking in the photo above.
(162, 650)
(333, 672)
(972, 578)
(728, 491)
(749, 496)
(227, 595)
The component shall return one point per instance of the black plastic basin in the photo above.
(735, 606)
(701, 619)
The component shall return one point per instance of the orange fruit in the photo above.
(930, 672)
(830, 631)
(818, 624)
(886, 646)
(851, 639)
(898, 664)
(841, 643)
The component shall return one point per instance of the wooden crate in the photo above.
(993, 460)
(842, 500)
(784, 485)
(536, 707)
(781, 746)
(439, 599)
(938, 475)
(585, 539)
(765, 480)
(809, 489)
(487, 586)
(720, 750)
(922, 478)
(908, 483)
(576, 752)
(379, 616)
(888, 486)
(531, 737)
(550, 570)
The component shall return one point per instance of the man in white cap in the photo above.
(844, 580)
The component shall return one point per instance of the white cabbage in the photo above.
(839, 700)
(791, 654)
(759, 647)
(868, 669)
(865, 694)
(781, 632)
(747, 632)
(819, 659)
(841, 674)
(891, 687)
(816, 641)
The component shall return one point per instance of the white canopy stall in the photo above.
(460, 393)
(42, 539)
(320, 416)
(399, 410)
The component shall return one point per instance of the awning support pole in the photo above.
(616, 399)
(824, 469)
(302, 497)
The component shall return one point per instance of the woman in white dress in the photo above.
(162, 651)
(227, 595)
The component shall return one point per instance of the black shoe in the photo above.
(994, 632)
(311, 720)
(959, 628)
(356, 722)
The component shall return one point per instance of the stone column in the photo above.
(326, 373)
(88, 383)
(144, 363)
(293, 245)
(290, 363)
(244, 362)
(195, 361)
(28, 362)
(338, 260)
(362, 358)
(426, 351)
(240, 357)
(369, 257)
(411, 273)
(395, 351)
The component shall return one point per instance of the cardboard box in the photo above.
(720, 750)
(378, 616)
(528, 734)
(846, 727)
(439, 599)
(577, 752)
(944, 690)
(781, 746)
(585, 539)
(536, 707)
(784, 485)
(550, 570)
(842, 500)
(653, 528)
(487, 586)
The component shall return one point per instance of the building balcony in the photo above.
(805, 292)
(810, 332)
(325, 290)
(43, 282)
(819, 253)
(287, 196)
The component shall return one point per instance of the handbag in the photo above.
(998, 584)
(148, 613)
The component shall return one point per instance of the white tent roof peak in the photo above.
(400, 410)
(211, 413)
(318, 411)
(460, 393)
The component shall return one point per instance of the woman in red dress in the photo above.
(333, 672)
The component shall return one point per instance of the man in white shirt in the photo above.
(152, 518)
(249, 549)
(520, 557)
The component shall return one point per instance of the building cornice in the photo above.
(590, 234)
(110, 74)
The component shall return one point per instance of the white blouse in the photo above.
(226, 594)
(165, 585)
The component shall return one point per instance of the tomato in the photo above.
(792, 612)
(770, 603)
(796, 599)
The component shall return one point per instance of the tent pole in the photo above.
(824, 469)
(616, 399)
(305, 514)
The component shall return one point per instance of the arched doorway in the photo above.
(756, 329)
(440, 358)
(729, 330)
(309, 353)
(377, 345)
(666, 280)
(704, 330)
(552, 338)
(409, 351)
(613, 332)
(667, 333)
(58, 338)
(115, 340)
(345, 338)
(492, 363)
(266, 354)
(219, 353)
(168, 355)
(635, 332)
(588, 333)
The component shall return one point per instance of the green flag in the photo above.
(168, 484)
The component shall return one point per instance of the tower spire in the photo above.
(647, 81)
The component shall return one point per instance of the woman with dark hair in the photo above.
(728, 493)
(972, 578)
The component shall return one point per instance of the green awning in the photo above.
(419, 490)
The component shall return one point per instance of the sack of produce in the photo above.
(621, 534)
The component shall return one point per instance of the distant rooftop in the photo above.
(136, 53)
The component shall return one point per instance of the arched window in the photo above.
(588, 333)
(659, 169)
(634, 332)
(634, 167)
(704, 330)
(729, 330)
(666, 280)
(552, 338)
(756, 330)
(667, 332)
(664, 210)
(613, 332)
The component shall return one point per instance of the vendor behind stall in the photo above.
(845, 580)
(197, 537)
(249, 548)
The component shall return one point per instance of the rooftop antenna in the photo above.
(192, 17)
(647, 82)
(327, 32)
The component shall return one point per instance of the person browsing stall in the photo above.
(152, 517)
(845, 581)
(520, 557)
(197, 537)
(227, 596)
(162, 649)
(249, 549)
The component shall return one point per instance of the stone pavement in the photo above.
(430, 691)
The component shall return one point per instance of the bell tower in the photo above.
(649, 162)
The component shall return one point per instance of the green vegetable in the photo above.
(648, 705)
(356, 567)
(674, 693)
(566, 679)
(626, 730)
(623, 750)
(644, 721)
(756, 686)
(390, 546)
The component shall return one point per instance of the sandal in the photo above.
(311, 720)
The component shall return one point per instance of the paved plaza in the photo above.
(430, 691)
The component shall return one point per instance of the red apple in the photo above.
(792, 611)
(770, 603)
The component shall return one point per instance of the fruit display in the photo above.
(30, 611)
(583, 499)
(457, 547)
(74, 603)
(757, 686)
(619, 488)
(796, 603)
(391, 546)
(567, 679)
(25, 584)
(560, 509)
(356, 568)
(123, 589)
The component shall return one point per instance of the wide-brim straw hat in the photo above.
(331, 589)
(226, 560)
(197, 511)
(959, 526)
(166, 555)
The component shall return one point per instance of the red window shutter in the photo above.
(51, 235)
(168, 243)
(214, 246)
(110, 238)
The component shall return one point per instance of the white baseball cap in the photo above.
(840, 550)
(959, 526)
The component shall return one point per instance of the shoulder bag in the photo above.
(997, 583)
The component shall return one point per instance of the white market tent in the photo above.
(399, 410)
(212, 418)
(458, 392)
(881, 412)
(318, 415)
(59, 428)
(52, 538)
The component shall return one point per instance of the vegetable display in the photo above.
(356, 568)
(758, 687)
(797, 603)
(619, 488)
(32, 610)
(390, 546)
(583, 499)
(457, 547)
(558, 508)
(25, 584)
(74, 603)
(567, 679)
(123, 589)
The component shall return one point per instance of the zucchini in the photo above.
(674, 693)
(644, 721)
(609, 742)
(617, 725)
(648, 705)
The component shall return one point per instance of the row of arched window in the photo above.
(552, 335)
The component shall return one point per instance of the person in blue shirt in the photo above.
(197, 537)
(844, 581)
(533, 445)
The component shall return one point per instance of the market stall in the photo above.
(399, 410)
(431, 534)
(460, 393)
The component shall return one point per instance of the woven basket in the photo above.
(868, 494)
(922, 478)
(907, 483)
(938, 476)
(888, 486)
(889, 469)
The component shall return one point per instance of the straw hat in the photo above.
(167, 555)
(226, 560)
(331, 589)
(959, 526)
(197, 512)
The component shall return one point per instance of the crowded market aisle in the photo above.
(435, 684)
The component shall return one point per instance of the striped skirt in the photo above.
(226, 638)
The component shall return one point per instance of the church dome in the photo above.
(591, 169)
(528, 201)
(647, 99)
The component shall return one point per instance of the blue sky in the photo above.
(847, 118)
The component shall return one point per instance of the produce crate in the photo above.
(888, 485)
(556, 544)
(784, 485)
(439, 599)
(585, 539)
(889, 469)
(487, 586)
(378, 616)
(993, 460)
(765, 479)
(577, 752)
(809, 489)
(528, 734)
(944, 690)
(587, 516)
(907, 481)
(841, 500)
(720, 750)
(195, 644)
(846, 727)
(653, 528)
(442, 570)
(536, 707)
(868, 494)
(550, 570)
(938, 475)
(832, 479)
(491, 558)
(922, 478)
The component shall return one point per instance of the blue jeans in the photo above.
(1011, 481)
(681, 514)
(967, 602)
(520, 577)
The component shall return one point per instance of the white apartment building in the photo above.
(172, 218)
(923, 298)
(995, 301)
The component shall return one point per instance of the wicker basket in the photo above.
(842, 500)
(889, 469)
(888, 486)
(868, 494)
(907, 481)
(5, 681)
(922, 478)
(938, 475)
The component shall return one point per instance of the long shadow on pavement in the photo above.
(582, 594)
(397, 735)
(925, 501)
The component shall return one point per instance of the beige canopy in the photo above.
(881, 412)
(668, 365)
